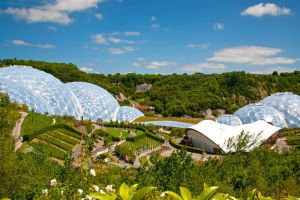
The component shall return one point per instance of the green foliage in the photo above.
(68, 130)
(49, 150)
(242, 142)
(167, 173)
(57, 142)
(34, 122)
(68, 139)
(178, 132)
(188, 148)
(125, 193)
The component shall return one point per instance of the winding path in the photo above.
(16, 132)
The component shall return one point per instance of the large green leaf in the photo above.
(173, 195)
(134, 187)
(185, 193)
(141, 193)
(107, 196)
(207, 193)
(125, 192)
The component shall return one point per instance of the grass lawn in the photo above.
(34, 122)
(118, 132)
(177, 119)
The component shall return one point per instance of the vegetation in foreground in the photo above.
(28, 175)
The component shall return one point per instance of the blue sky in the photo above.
(157, 36)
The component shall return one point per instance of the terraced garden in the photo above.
(141, 144)
(57, 143)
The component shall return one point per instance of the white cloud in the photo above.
(155, 26)
(200, 67)
(272, 69)
(262, 9)
(121, 50)
(251, 55)
(45, 46)
(52, 28)
(87, 69)
(153, 18)
(140, 61)
(23, 43)
(99, 16)
(159, 64)
(99, 39)
(56, 12)
(132, 33)
(203, 46)
(20, 43)
(218, 26)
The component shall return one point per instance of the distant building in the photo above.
(145, 108)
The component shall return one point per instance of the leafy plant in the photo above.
(125, 193)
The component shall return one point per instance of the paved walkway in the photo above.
(137, 163)
(16, 132)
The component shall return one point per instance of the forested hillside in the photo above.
(178, 95)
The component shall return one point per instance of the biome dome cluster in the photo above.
(280, 109)
(46, 94)
(231, 120)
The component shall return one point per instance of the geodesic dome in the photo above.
(254, 112)
(128, 114)
(230, 120)
(288, 104)
(95, 101)
(39, 90)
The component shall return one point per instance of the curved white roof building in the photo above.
(213, 136)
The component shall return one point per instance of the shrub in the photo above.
(190, 149)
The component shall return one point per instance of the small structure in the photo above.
(212, 136)
(145, 108)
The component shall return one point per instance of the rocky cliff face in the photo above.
(143, 87)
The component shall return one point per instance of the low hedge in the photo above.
(189, 149)
(107, 135)
(155, 137)
(136, 138)
(50, 128)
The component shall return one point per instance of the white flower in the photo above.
(163, 195)
(109, 188)
(53, 182)
(102, 192)
(45, 191)
(80, 191)
(96, 188)
(62, 192)
(92, 172)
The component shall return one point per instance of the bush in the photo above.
(190, 149)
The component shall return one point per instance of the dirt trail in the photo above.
(16, 132)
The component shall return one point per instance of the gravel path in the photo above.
(16, 132)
